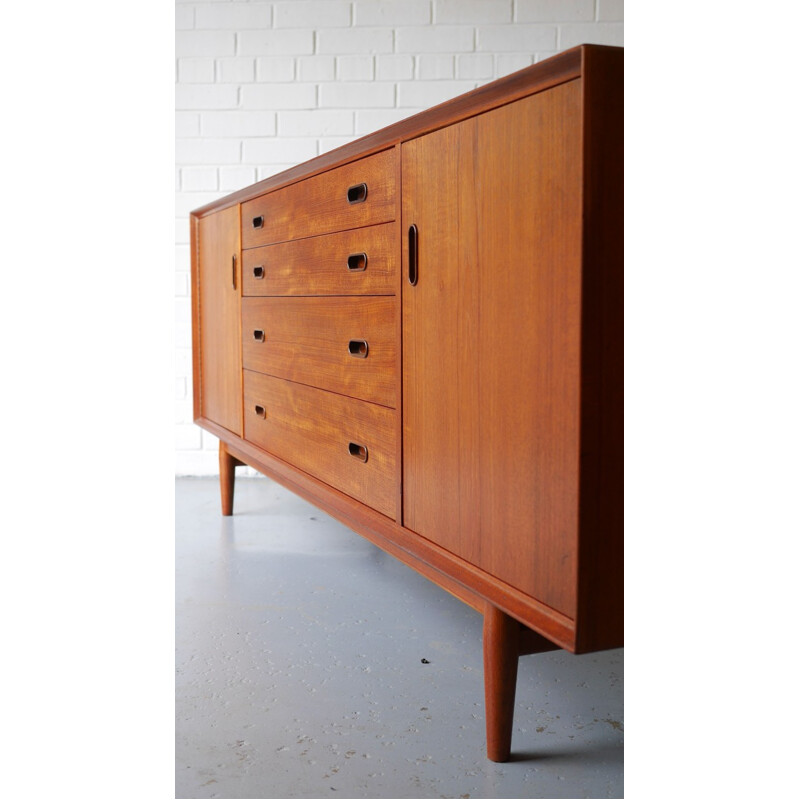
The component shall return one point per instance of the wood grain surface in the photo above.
(319, 265)
(306, 340)
(501, 646)
(492, 342)
(319, 205)
(313, 429)
(218, 361)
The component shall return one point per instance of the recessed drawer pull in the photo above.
(261, 412)
(357, 193)
(358, 348)
(258, 272)
(357, 262)
(259, 336)
(258, 222)
(358, 451)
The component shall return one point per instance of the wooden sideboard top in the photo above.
(544, 75)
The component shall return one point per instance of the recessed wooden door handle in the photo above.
(258, 272)
(413, 255)
(258, 222)
(261, 412)
(358, 348)
(358, 451)
(233, 271)
(357, 262)
(259, 336)
(357, 193)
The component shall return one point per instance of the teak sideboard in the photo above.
(421, 332)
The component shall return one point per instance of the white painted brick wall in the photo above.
(262, 86)
(237, 124)
(461, 12)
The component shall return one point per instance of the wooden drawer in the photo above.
(348, 444)
(344, 344)
(361, 261)
(352, 196)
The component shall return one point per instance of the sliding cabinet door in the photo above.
(217, 313)
(491, 341)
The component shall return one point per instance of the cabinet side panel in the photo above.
(218, 315)
(600, 611)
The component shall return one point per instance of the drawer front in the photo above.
(348, 444)
(361, 261)
(344, 344)
(352, 196)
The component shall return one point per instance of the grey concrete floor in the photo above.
(300, 674)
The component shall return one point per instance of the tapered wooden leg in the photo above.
(227, 463)
(501, 645)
